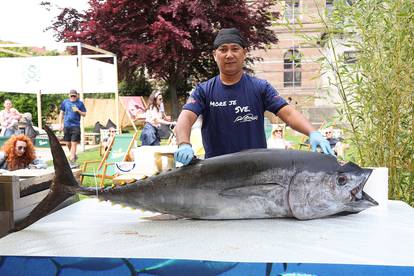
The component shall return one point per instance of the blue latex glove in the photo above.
(316, 138)
(184, 154)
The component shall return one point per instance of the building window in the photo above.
(292, 69)
(291, 10)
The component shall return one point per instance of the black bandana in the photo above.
(230, 35)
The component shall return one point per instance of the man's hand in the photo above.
(316, 139)
(75, 108)
(184, 154)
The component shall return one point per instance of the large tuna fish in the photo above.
(251, 184)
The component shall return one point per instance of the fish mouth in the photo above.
(358, 194)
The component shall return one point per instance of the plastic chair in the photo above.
(118, 151)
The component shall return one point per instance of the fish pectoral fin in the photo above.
(261, 190)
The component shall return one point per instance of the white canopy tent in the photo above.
(59, 74)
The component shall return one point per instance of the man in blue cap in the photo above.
(232, 105)
(70, 114)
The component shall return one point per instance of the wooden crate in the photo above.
(19, 195)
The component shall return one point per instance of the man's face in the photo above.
(329, 134)
(7, 104)
(230, 58)
(20, 148)
(73, 97)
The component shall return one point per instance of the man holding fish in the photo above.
(233, 104)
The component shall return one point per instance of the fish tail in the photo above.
(64, 185)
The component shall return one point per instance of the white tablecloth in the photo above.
(91, 228)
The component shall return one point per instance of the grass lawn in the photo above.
(294, 138)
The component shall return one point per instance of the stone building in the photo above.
(291, 65)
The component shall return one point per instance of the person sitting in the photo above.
(19, 153)
(336, 145)
(106, 142)
(276, 140)
(9, 119)
(150, 135)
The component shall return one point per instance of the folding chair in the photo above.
(118, 151)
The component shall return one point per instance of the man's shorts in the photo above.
(71, 134)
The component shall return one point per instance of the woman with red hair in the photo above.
(19, 153)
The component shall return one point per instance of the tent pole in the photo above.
(79, 46)
(118, 124)
(39, 109)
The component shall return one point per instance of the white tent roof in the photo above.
(58, 74)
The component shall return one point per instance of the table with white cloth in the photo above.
(93, 236)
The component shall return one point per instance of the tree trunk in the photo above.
(172, 87)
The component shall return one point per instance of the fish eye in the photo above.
(341, 180)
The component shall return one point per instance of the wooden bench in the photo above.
(21, 192)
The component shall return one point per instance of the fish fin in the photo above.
(349, 167)
(63, 186)
(251, 190)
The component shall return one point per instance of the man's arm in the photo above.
(298, 122)
(185, 152)
(61, 113)
(295, 120)
(83, 114)
(183, 128)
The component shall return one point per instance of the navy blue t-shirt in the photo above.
(71, 118)
(233, 115)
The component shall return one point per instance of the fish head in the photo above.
(321, 194)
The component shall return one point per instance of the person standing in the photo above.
(70, 114)
(9, 119)
(233, 105)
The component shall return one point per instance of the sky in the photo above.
(24, 21)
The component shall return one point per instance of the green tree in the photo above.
(171, 39)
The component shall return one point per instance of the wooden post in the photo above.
(39, 109)
(80, 64)
(118, 123)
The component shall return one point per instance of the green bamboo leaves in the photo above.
(377, 91)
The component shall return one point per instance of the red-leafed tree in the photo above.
(172, 39)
